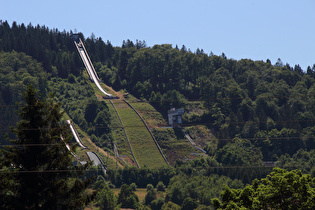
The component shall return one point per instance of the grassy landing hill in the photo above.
(142, 144)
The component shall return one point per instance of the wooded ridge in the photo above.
(249, 115)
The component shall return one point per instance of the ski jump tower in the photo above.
(88, 63)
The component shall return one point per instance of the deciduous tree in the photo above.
(281, 189)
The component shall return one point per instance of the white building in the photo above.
(175, 116)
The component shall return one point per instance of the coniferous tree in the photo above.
(41, 162)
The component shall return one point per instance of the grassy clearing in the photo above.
(174, 145)
(116, 130)
(143, 146)
(141, 192)
(118, 133)
(152, 117)
(201, 135)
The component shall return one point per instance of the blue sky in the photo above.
(254, 29)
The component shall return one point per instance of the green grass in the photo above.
(174, 145)
(110, 163)
(201, 135)
(152, 117)
(140, 192)
(143, 146)
(118, 133)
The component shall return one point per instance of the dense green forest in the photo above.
(38, 149)
(255, 111)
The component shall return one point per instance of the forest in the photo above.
(251, 115)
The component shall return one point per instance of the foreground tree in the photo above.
(40, 164)
(106, 198)
(127, 198)
(281, 189)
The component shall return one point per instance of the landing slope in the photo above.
(143, 146)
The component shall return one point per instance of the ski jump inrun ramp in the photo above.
(89, 65)
(75, 134)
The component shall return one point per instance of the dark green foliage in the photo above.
(160, 186)
(41, 160)
(91, 111)
(7, 186)
(281, 189)
(240, 152)
(189, 203)
(127, 198)
(170, 205)
(91, 115)
(302, 160)
(245, 98)
(105, 197)
(54, 49)
(255, 111)
(133, 186)
(157, 204)
(177, 194)
(202, 188)
(172, 98)
(149, 187)
(141, 177)
(17, 70)
(197, 164)
(106, 73)
(150, 196)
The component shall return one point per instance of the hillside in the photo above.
(231, 106)
(16, 71)
(141, 142)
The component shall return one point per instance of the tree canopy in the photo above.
(251, 113)
(281, 189)
(38, 161)
(270, 105)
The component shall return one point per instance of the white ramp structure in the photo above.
(89, 65)
(68, 147)
(96, 160)
(76, 135)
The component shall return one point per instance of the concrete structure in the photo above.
(175, 116)
(88, 64)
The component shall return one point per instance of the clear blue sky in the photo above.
(255, 29)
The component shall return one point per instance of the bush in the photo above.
(157, 204)
(170, 205)
(133, 186)
(160, 186)
(189, 203)
(149, 187)
(127, 198)
(149, 197)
